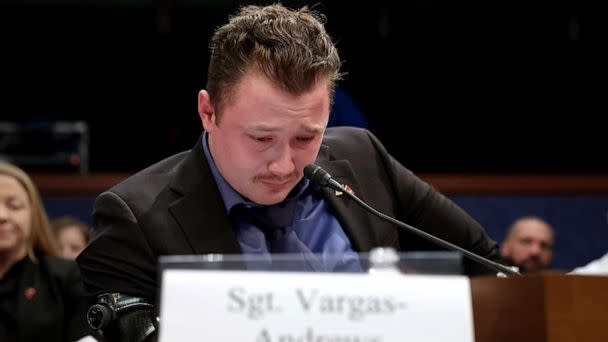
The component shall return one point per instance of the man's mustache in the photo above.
(275, 178)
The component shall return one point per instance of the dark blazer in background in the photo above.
(45, 302)
(174, 207)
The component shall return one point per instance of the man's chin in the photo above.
(533, 268)
(269, 201)
(270, 198)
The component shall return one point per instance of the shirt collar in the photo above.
(230, 196)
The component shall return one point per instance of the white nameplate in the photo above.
(313, 307)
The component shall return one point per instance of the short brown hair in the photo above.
(289, 47)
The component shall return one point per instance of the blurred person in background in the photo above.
(41, 295)
(72, 236)
(529, 244)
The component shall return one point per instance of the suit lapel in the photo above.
(200, 212)
(354, 219)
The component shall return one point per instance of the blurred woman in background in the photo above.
(41, 295)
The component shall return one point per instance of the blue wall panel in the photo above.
(78, 206)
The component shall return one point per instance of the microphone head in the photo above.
(310, 169)
(316, 174)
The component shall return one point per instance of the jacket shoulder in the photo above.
(345, 134)
(351, 142)
(154, 175)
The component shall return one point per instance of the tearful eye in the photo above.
(304, 139)
(261, 139)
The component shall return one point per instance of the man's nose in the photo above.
(3, 213)
(282, 163)
(535, 249)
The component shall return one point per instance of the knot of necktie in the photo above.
(275, 229)
(276, 222)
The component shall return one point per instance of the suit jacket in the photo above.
(49, 303)
(174, 207)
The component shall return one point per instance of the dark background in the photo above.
(448, 86)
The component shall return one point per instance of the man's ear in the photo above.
(205, 109)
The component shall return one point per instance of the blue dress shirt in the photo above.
(301, 224)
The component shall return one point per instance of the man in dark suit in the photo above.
(241, 190)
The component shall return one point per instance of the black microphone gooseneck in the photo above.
(319, 176)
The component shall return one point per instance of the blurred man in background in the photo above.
(529, 244)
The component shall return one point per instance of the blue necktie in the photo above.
(276, 224)
(271, 229)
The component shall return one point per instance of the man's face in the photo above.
(265, 136)
(529, 246)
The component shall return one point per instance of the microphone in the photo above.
(317, 175)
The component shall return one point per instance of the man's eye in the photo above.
(262, 139)
(304, 139)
